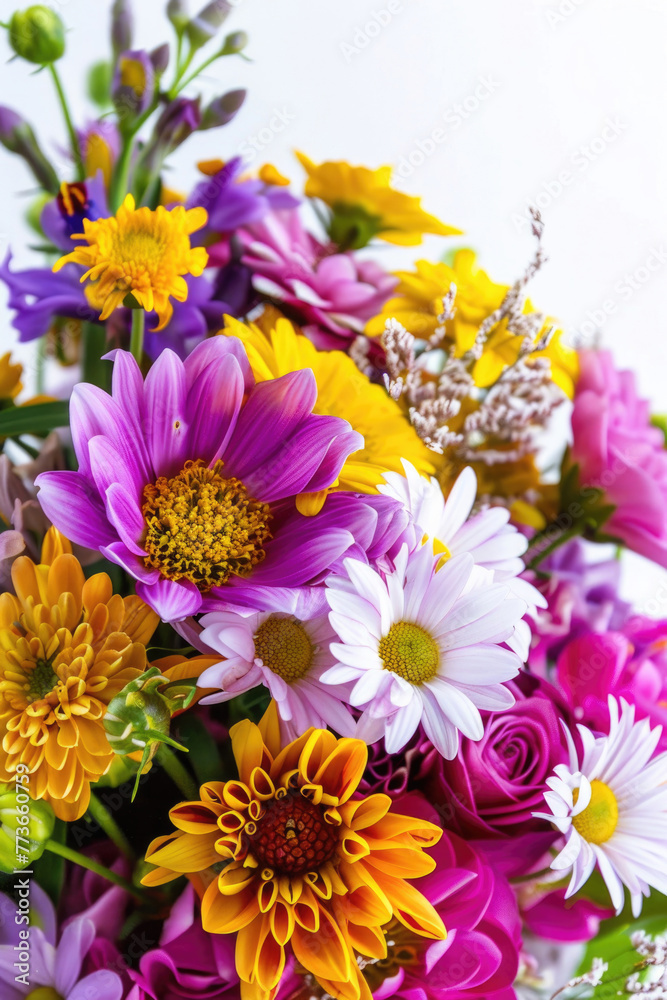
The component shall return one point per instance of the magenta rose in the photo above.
(490, 791)
(619, 451)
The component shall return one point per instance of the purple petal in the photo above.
(166, 429)
(74, 945)
(119, 553)
(171, 600)
(107, 467)
(126, 517)
(213, 404)
(272, 414)
(101, 985)
(301, 552)
(71, 502)
(210, 352)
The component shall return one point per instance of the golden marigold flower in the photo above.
(142, 252)
(342, 391)
(418, 303)
(309, 863)
(364, 200)
(67, 646)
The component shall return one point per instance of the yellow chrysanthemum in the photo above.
(142, 252)
(342, 391)
(10, 378)
(418, 302)
(308, 863)
(67, 646)
(365, 198)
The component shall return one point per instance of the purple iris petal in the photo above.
(38, 295)
(59, 226)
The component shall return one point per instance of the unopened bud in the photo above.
(233, 43)
(37, 34)
(222, 109)
(26, 825)
(202, 28)
(122, 26)
(177, 12)
(159, 57)
(17, 136)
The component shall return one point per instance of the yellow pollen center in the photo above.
(409, 651)
(44, 993)
(202, 527)
(284, 647)
(597, 822)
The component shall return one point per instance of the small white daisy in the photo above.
(285, 654)
(491, 540)
(612, 808)
(421, 644)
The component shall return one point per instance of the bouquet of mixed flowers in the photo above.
(315, 680)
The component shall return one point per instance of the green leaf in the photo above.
(204, 756)
(39, 419)
(659, 420)
(623, 960)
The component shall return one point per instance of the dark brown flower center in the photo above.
(293, 837)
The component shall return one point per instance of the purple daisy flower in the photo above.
(74, 964)
(188, 480)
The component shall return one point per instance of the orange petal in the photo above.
(183, 852)
(228, 914)
(249, 750)
(326, 953)
(412, 909)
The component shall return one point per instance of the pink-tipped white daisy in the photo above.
(449, 524)
(422, 644)
(612, 808)
(283, 653)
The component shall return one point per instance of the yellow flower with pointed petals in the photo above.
(140, 251)
(67, 646)
(310, 863)
(417, 302)
(342, 391)
(364, 198)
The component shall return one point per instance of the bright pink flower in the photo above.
(332, 294)
(629, 664)
(619, 451)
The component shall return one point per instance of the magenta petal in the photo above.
(209, 354)
(213, 404)
(166, 429)
(309, 459)
(107, 466)
(71, 502)
(119, 553)
(271, 415)
(301, 553)
(101, 985)
(94, 413)
(127, 386)
(126, 517)
(171, 600)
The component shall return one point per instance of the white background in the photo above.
(523, 92)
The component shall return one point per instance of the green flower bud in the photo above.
(177, 12)
(33, 214)
(37, 34)
(25, 826)
(234, 43)
(222, 109)
(17, 136)
(100, 76)
(139, 717)
(204, 26)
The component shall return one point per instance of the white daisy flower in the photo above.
(287, 656)
(491, 540)
(421, 644)
(612, 808)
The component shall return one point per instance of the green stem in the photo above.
(565, 536)
(74, 142)
(94, 343)
(101, 815)
(120, 183)
(137, 338)
(180, 86)
(80, 859)
(178, 774)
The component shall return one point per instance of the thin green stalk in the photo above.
(137, 338)
(179, 86)
(94, 344)
(101, 815)
(565, 536)
(80, 859)
(73, 140)
(178, 774)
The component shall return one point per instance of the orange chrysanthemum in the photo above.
(67, 646)
(307, 862)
